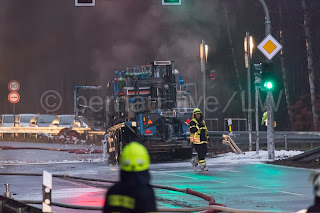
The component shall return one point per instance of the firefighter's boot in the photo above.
(194, 164)
(203, 166)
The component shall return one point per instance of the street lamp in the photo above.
(248, 48)
(251, 45)
(203, 60)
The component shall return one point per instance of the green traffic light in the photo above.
(171, 2)
(268, 85)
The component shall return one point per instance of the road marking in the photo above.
(227, 170)
(290, 193)
(254, 187)
(178, 175)
(215, 181)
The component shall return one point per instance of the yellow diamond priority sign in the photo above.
(269, 46)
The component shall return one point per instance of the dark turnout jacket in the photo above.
(133, 193)
(315, 207)
(199, 124)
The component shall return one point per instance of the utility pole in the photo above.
(270, 123)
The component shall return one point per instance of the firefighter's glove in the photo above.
(201, 125)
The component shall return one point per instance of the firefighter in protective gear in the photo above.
(315, 178)
(199, 139)
(133, 193)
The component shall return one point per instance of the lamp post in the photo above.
(203, 60)
(267, 17)
(248, 47)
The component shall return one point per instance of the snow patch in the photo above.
(250, 157)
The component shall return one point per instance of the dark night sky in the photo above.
(53, 45)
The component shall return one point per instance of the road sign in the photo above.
(269, 46)
(85, 3)
(14, 97)
(13, 86)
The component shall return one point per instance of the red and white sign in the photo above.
(13, 86)
(14, 97)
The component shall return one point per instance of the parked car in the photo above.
(63, 121)
(42, 120)
(23, 120)
(6, 120)
(67, 121)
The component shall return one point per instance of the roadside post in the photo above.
(46, 192)
(14, 97)
(230, 127)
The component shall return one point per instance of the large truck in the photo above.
(148, 104)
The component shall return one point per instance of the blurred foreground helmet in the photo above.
(315, 179)
(134, 158)
(197, 111)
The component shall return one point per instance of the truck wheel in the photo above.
(73, 136)
(62, 135)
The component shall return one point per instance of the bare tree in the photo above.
(236, 67)
(306, 26)
(283, 64)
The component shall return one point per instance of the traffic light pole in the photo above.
(270, 127)
(257, 118)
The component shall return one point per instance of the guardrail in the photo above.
(242, 137)
(10, 205)
(45, 130)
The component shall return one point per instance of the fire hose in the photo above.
(213, 207)
(210, 208)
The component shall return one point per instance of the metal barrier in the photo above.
(48, 131)
(236, 126)
(281, 137)
(211, 122)
(8, 205)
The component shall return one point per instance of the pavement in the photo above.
(241, 182)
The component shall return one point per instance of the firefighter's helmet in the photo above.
(197, 111)
(134, 158)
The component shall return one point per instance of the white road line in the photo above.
(254, 187)
(217, 181)
(164, 171)
(178, 175)
(227, 170)
(234, 171)
(290, 193)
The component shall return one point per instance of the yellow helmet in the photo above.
(197, 111)
(134, 158)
